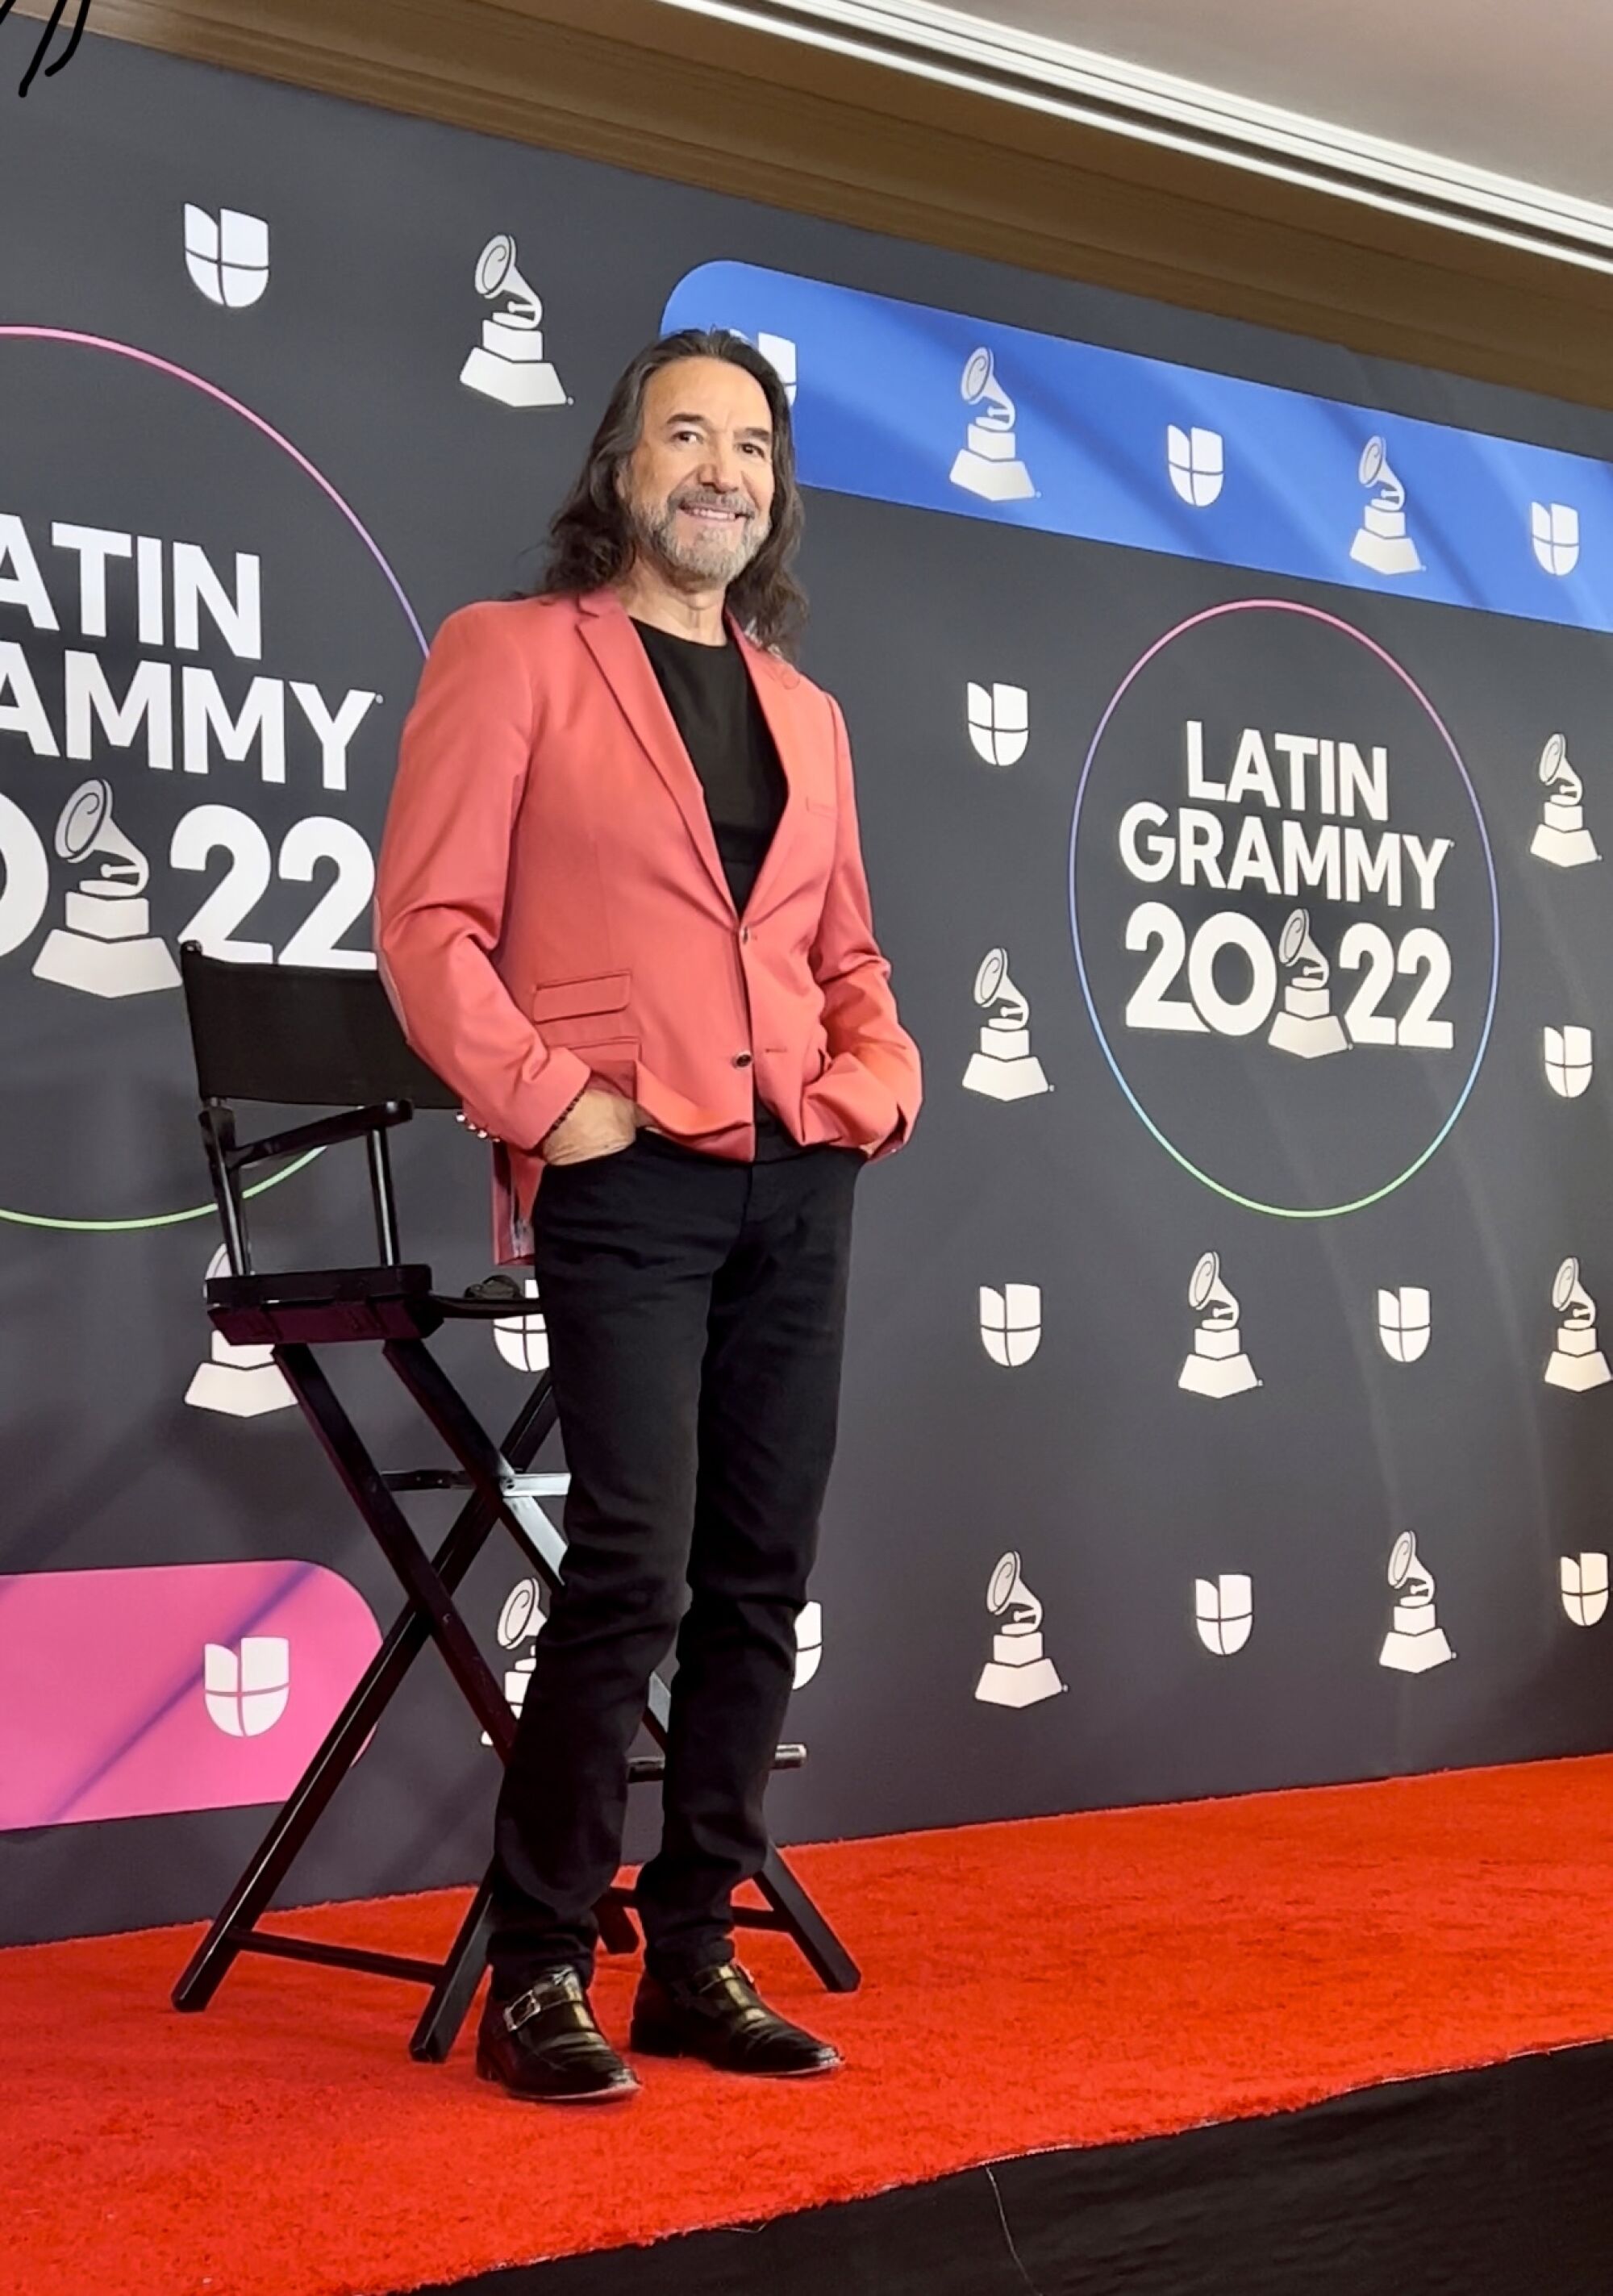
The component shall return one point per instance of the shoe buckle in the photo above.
(560, 1985)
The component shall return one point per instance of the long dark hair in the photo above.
(590, 541)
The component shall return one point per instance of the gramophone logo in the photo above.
(1406, 1323)
(1415, 1640)
(226, 255)
(1555, 531)
(1585, 1588)
(1224, 1611)
(523, 1341)
(1381, 541)
(247, 1688)
(1306, 1025)
(1217, 1367)
(988, 463)
(1011, 1323)
(999, 722)
(508, 363)
(519, 1624)
(1570, 1059)
(1195, 460)
(1019, 1672)
(1562, 837)
(107, 947)
(808, 1643)
(240, 1381)
(1575, 1362)
(1003, 1067)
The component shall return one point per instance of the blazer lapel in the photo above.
(773, 682)
(611, 639)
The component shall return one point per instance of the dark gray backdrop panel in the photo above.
(1117, 1489)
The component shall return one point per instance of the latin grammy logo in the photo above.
(1017, 1673)
(1005, 1066)
(107, 947)
(1585, 1588)
(1562, 837)
(989, 464)
(1576, 1361)
(1381, 541)
(1306, 1025)
(508, 363)
(521, 1620)
(1415, 1641)
(240, 1381)
(1570, 1059)
(1217, 1366)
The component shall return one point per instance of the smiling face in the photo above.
(698, 487)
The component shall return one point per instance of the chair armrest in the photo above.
(325, 1132)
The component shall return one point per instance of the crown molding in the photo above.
(1020, 67)
(696, 97)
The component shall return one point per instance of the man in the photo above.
(622, 910)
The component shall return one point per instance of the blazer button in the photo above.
(742, 1060)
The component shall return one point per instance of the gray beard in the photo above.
(704, 557)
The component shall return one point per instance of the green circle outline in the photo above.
(154, 1219)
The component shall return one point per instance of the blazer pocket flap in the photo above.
(561, 1000)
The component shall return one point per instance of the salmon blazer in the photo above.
(550, 908)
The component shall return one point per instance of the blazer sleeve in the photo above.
(443, 875)
(859, 1010)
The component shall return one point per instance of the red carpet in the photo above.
(1068, 1982)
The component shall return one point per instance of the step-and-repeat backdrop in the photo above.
(1228, 1402)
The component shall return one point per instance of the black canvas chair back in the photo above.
(299, 1037)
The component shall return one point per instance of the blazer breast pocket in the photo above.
(590, 1011)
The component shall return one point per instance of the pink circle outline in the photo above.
(247, 414)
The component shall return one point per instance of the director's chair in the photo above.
(302, 1037)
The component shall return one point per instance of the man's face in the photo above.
(698, 487)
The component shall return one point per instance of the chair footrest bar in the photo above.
(427, 1479)
(643, 1769)
(281, 1947)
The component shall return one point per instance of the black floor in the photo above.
(1495, 2183)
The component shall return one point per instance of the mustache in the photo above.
(702, 498)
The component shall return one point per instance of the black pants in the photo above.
(696, 1314)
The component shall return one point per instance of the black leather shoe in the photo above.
(545, 2045)
(718, 2015)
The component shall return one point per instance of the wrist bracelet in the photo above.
(560, 1118)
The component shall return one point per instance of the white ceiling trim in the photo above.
(961, 51)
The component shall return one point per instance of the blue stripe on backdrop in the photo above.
(901, 403)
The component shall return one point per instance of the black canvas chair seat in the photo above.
(292, 1037)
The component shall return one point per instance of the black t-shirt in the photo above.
(719, 719)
